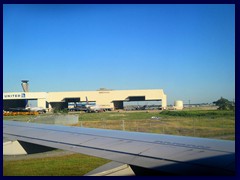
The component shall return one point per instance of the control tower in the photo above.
(25, 85)
(25, 89)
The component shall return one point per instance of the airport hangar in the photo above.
(107, 99)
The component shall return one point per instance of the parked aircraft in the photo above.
(36, 109)
(86, 107)
(92, 108)
(18, 109)
(145, 153)
(78, 108)
(27, 109)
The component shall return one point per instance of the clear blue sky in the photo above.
(186, 50)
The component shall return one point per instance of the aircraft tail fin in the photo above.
(26, 105)
(87, 101)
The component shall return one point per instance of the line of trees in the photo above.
(224, 104)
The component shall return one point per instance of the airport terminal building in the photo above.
(107, 99)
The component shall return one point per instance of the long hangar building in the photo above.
(107, 99)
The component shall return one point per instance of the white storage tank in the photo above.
(178, 105)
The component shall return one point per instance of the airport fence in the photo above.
(194, 127)
(214, 127)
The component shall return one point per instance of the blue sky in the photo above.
(186, 50)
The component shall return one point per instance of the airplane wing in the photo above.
(152, 153)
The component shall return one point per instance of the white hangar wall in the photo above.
(104, 98)
(10, 97)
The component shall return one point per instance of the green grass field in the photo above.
(197, 123)
(68, 165)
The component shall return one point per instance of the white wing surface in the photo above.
(156, 153)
